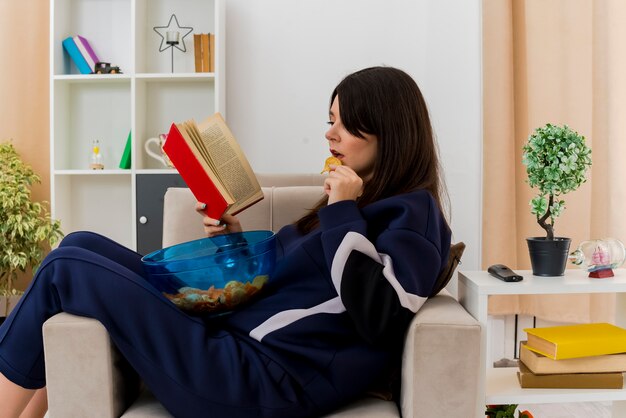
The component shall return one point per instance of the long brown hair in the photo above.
(386, 102)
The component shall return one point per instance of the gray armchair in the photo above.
(86, 376)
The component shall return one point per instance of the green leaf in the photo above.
(539, 205)
(26, 229)
(557, 160)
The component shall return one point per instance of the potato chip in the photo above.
(215, 300)
(328, 162)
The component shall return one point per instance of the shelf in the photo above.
(92, 78)
(86, 111)
(157, 171)
(160, 77)
(157, 77)
(98, 203)
(575, 281)
(502, 387)
(105, 172)
(201, 15)
(105, 24)
(160, 102)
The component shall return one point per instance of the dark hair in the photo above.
(386, 102)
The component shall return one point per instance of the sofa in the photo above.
(87, 377)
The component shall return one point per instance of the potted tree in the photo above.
(556, 160)
(26, 230)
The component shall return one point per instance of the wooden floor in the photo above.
(570, 410)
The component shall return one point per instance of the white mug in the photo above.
(159, 156)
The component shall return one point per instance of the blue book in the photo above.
(77, 57)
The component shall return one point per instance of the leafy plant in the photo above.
(556, 159)
(505, 411)
(26, 229)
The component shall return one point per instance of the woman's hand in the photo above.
(342, 183)
(212, 227)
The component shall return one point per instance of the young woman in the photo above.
(350, 276)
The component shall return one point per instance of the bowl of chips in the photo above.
(213, 275)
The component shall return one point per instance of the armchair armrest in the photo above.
(440, 362)
(86, 375)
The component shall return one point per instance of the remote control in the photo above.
(504, 273)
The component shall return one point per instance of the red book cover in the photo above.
(194, 174)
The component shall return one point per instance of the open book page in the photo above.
(192, 133)
(188, 131)
(231, 165)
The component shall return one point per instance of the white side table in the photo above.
(500, 385)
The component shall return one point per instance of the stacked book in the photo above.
(582, 356)
(204, 52)
(81, 53)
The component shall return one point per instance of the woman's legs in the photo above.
(194, 370)
(38, 405)
(13, 398)
(29, 403)
(105, 247)
(19, 402)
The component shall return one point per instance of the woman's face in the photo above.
(357, 153)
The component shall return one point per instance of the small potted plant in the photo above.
(505, 411)
(556, 160)
(26, 230)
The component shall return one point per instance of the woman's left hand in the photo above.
(212, 227)
(342, 183)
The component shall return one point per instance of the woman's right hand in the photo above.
(342, 183)
(212, 227)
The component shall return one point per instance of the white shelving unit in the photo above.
(144, 100)
(500, 385)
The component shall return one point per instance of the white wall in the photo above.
(284, 57)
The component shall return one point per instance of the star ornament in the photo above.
(162, 31)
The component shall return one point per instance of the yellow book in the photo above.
(527, 379)
(540, 364)
(580, 340)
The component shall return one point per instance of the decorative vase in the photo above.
(548, 257)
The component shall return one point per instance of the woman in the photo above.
(349, 278)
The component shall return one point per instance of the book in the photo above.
(579, 340)
(540, 364)
(213, 166)
(528, 379)
(70, 47)
(197, 51)
(211, 52)
(86, 51)
(125, 160)
(206, 53)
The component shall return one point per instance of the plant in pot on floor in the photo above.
(505, 411)
(556, 160)
(26, 230)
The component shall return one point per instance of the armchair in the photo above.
(86, 376)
